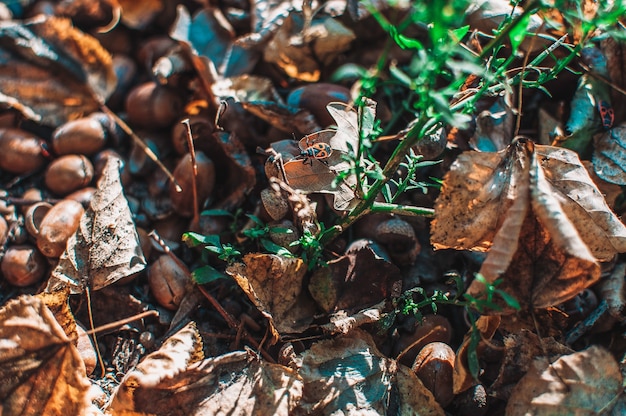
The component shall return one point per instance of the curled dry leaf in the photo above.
(348, 375)
(105, 248)
(609, 155)
(41, 369)
(51, 71)
(275, 285)
(172, 381)
(585, 382)
(537, 209)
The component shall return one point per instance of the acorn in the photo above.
(86, 350)
(201, 130)
(168, 281)
(205, 181)
(83, 195)
(434, 366)
(85, 136)
(315, 98)
(150, 105)
(57, 226)
(23, 265)
(31, 194)
(400, 240)
(275, 204)
(20, 151)
(432, 328)
(68, 174)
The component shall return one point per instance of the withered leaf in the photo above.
(609, 155)
(588, 382)
(137, 14)
(105, 248)
(275, 285)
(348, 375)
(41, 369)
(53, 71)
(169, 383)
(540, 213)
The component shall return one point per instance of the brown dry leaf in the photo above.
(583, 383)
(275, 285)
(53, 71)
(312, 175)
(58, 303)
(538, 208)
(520, 349)
(609, 155)
(167, 382)
(299, 51)
(362, 277)
(41, 370)
(105, 248)
(347, 375)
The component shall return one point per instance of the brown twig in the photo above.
(194, 168)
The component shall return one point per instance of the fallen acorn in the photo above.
(22, 265)
(150, 105)
(85, 136)
(434, 366)
(86, 350)
(168, 281)
(432, 328)
(68, 174)
(60, 222)
(34, 215)
(20, 151)
(400, 240)
(205, 181)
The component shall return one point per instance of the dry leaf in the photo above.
(299, 49)
(234, 383)
(539, 212)
(583, 383)
(609, 155)
(41, 369)
(347, 375)
(158, 368)
(53, 71)
(362, 277)
(275, 285)
(138, 14)
(105, 248)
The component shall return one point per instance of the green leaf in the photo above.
(275, 248)
(518, 32)
(194, 239)
(206, 274)
(460, 33)
(216, 213)
(510, 300)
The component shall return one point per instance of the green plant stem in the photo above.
(365, 205)
(402, 209)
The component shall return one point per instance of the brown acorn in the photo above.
(34, 215)
(20, 151)
(315, 98)
(150, 105)
(85, 136)
(434, 366)
(57, 226)
(205, 181)
(430, 329)
(23, 265)
(68, 174)
(201, 130)
(168, 281)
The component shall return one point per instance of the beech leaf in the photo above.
(41, 369)
(105, 248)
(588, 382)
(348, 375)
(51, 71)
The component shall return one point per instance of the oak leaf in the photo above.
(105, 248)
(41, 369)
(609, 155)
